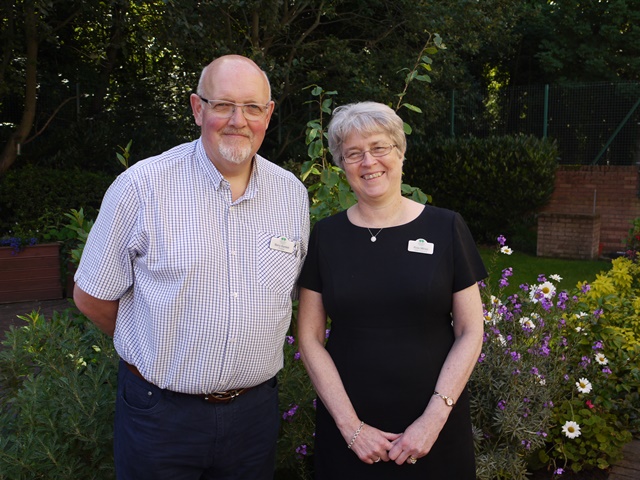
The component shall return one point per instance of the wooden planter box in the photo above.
(32, 274)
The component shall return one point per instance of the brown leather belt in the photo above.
(215, 397)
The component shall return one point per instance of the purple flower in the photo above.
(288, 415)
(502, 404)
(481, 358)
(558, 471)
(585, 362)
(501, 240)
(598, 313)
(296, 356)
(542, 278)
(301, 450)
(290, 340)
(585, 288)
(598, 345)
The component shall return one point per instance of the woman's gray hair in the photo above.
(364, 118)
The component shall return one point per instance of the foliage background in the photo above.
(85, 76)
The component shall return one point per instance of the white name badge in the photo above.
(282, 244)
(420, 246)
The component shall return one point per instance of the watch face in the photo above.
(449, 401)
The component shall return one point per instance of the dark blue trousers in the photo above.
(160, 434)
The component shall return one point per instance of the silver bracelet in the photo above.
(355, 435)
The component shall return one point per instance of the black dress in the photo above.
(391, 331)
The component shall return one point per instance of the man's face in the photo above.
(233, 140)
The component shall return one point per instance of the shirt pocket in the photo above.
(277, 270)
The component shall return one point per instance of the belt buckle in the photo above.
(223, 397)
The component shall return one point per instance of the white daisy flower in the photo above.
(581, 314)
(571, 429)
(601, 359)
(555, 277)
(526, 322)
(506, 250)
(495, 301)
(546, 289)
(488, 317)
(584, 385)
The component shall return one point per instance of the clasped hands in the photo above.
(374, 445)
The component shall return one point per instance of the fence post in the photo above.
(453, 112)
(545, 120)
(77, 101)
(622, 123)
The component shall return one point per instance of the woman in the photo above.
(398, 281)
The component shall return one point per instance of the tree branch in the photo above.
(55, 112)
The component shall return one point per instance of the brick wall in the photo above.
(569, 235)
(610, 192)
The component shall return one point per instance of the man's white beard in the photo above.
(235, 154)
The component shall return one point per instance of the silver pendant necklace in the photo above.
(373, 237)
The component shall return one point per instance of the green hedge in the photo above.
(33, 198)
(497, 183)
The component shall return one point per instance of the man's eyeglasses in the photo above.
(357, 156)
(222, 109)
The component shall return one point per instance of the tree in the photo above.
(577, 41)
(137, 62)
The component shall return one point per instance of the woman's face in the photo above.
(374, 178)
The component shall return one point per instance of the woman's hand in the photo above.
(419, 437)
(372, 444)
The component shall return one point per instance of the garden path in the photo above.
(627, 469)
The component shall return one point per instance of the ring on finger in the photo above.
(377, 460)
(412, 459)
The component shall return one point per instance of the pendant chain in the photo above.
(373, 237)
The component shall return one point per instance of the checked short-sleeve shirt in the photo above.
(205, 298)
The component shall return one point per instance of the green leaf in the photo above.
(407, 128)
(413, 108)
(410, 76)
(329, 178)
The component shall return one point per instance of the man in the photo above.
(191, 267)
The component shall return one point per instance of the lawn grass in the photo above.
(526, 269)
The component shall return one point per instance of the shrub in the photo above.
(33, 200)
(632, 242)
(492, 182)
(58, 382)
(550, 358)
